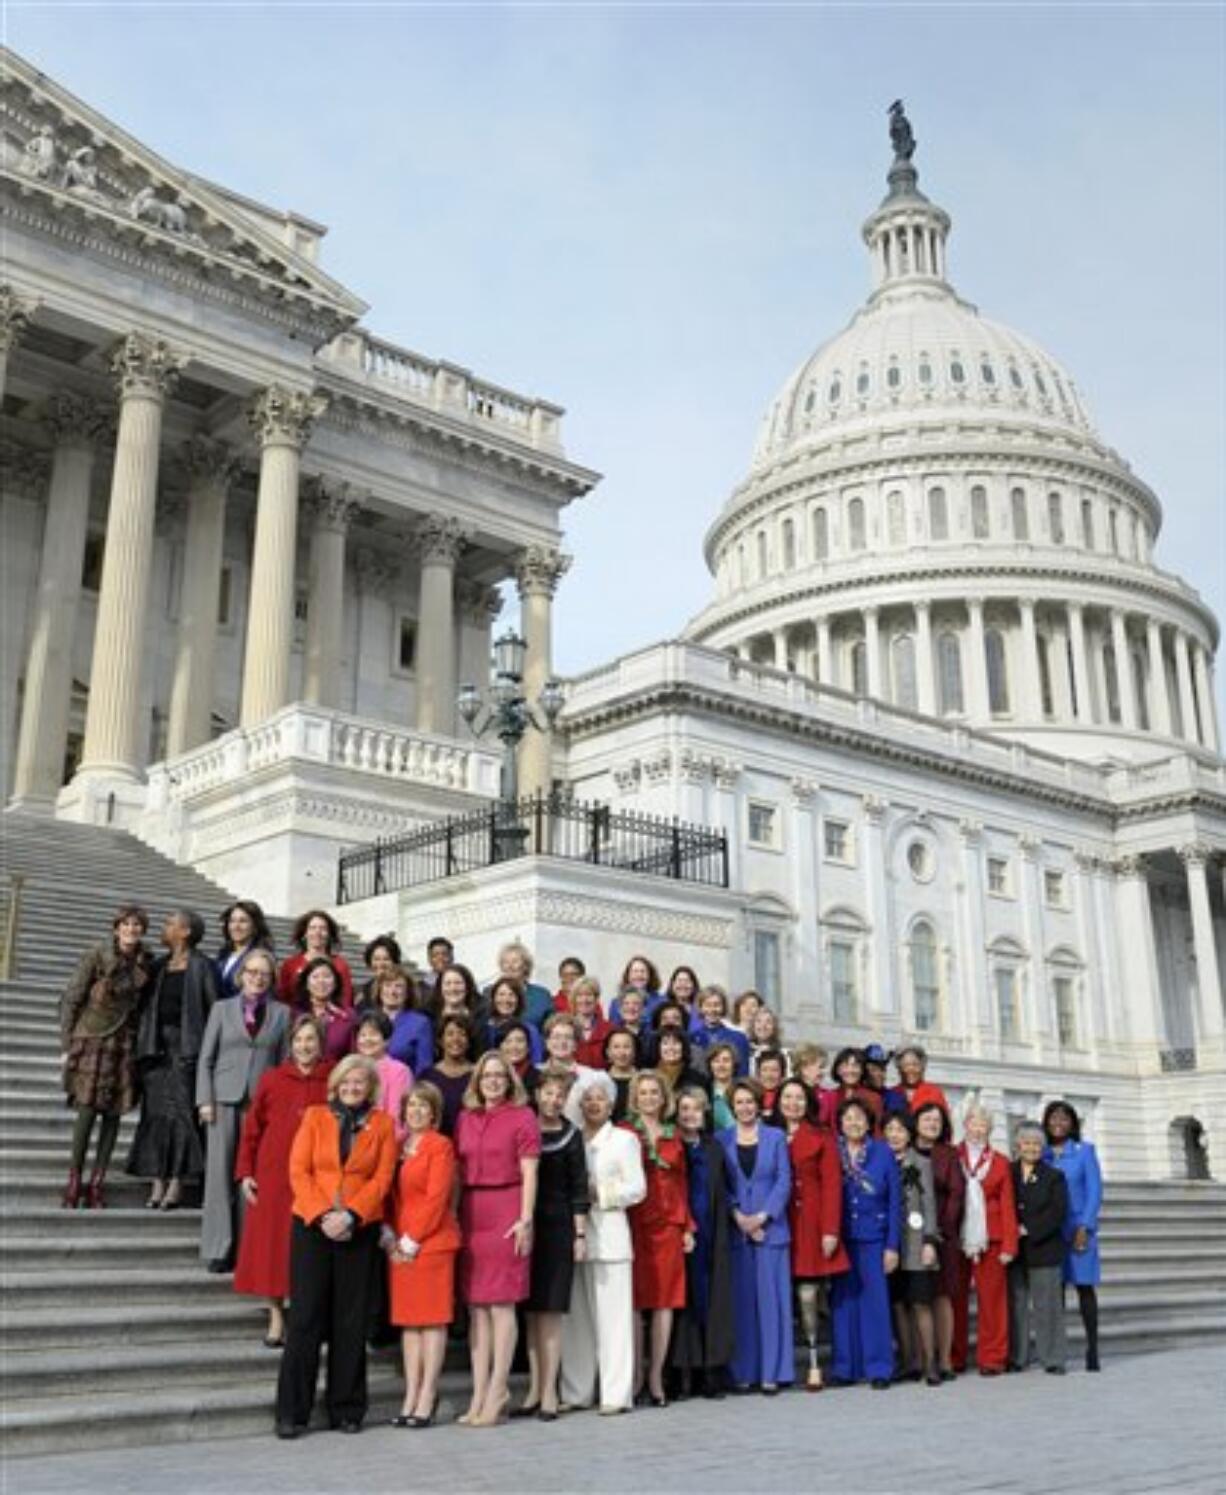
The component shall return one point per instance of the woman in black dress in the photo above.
(452, 1070)
(167, 1147)
(559, 1239)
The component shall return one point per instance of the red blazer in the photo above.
(590, 1051)
(829, 1101)
(667, 1203)
(291, 969)
(816, 1208)
(997, 1184)
(923, 1094)
(421, 1205)
(320, 1181)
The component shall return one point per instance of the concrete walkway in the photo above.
(1149, 1423)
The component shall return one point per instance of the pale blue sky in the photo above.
(651, 214)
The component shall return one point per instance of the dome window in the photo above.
(987, 373)
(1055, 518)
(856, 537)
(980, 526)
(821, 534)
(925, 371)
(896, 518)
(810, 401)
(893, 376)
(1015, 377)
(938, 515)
(836, 392)
(1020, 513)
(1039, 384)
(862, 382)
(949, 674)
(956, 372)
(998, 677)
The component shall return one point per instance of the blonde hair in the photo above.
(808, 1053)
(258, 952)
(636, 1082)
(431, 1094)
(977, 1108)
(348, 1065)
(518, 946)
(588, 984)
(474, 1100)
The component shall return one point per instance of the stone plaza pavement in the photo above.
(1149, 1423)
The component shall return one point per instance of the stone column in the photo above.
(538, 573)
(77, 424)
(1138, 958)
(439, 541)
(211, 467)
(1211, 1019)
(779, 642)
(1204, 691)
(15, 314)
(1032, 691)
(977, 664)
(282, 420)
(1159, 701)
(882, 985)
(872, 653)
(1040, 1023)
(1183, 674)
(980, 1019)
(925, 662)
(825, 674)
(333, 508)
(1123, 670)
(146, 368)
(1081, 663)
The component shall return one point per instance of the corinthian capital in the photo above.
(439, 539)
(145, 366)
(209, 461)
(75, 418)
(539, 570)
(332, 504)
(285, 417)
(15, 314)
(1194, 854)
(480, 603)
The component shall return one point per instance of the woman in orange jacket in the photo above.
(421, 1242)
(340, 1170)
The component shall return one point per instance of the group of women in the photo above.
(659, 1198)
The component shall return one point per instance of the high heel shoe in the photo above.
(492, 1419)
(423, 1419)
(96, 1199)
(72, 1190)
(172, 1197)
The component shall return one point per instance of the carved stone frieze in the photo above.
(539, 570)
(285, 417)
(440, 539)
(16, 313)
(332, 504)
(145, 366)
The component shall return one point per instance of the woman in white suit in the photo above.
(244, 1036)
(598, 1332)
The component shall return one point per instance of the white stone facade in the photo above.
(958, 726)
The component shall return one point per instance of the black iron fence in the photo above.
(546, 825)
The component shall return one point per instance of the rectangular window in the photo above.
(1087, 523)
(1066, 1011)
(763, 824)
(1054, 888)
(843, 981)
(998, 877)
(837, 841)
(225, 590)
(302, 604)
(766, 965)
(406, 644)
(91, 564)
(1006, 1001)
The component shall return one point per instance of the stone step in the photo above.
(126, 1219)
(53, 1287)
(40, 1187)
(76, 1250)
(53, 1373)
(86, 1326)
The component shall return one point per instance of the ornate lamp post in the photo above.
(509, 715)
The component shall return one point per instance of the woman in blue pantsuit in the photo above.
(759, 1176)
(1078, 1161)
(872, 1234)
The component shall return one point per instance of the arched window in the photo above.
(1007, 1014)
(1111, 681)
(1015, 377)
(1055, 518)
(1039, 385)
(893, 376)
(1046, 696)
(998, 675)
(856, 537)
(762, 553)
(938, 514)
(810, 401)
(956, 371)
(1136, 539)
(836, 390)
(925, 984)
(821, 534)
(1087, 523)
(1139, 691)
(949, 655)
(896, 518)
(981, 527)
(925, 370)
(902, 655)
(862, 382)
(742, 575)
(1113, 529)
(789, 545)
(859, 668)
(987, 373)
(1021, 519)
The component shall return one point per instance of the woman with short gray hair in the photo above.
(1036, 1292)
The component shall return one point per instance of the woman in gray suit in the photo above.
(245, 1035)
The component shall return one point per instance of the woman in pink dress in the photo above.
(371, 1038)
(498, 1145)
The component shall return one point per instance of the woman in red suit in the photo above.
(816, 1211)
(847, 1073)
(317, 936)
(261, 1167)
(933, 1138)
(989, 1244)
(661, 1227)
(422, 1242)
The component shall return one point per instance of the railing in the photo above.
(548, 826)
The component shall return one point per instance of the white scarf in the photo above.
(975, 1218)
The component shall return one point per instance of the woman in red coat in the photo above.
(422, 1242)
(989, 1244)
(847, 1072)
(933, 1138)
(816, 1211)
(661, 1227)
(317, 936)
(261, 1167)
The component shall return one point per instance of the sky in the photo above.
(651, 214)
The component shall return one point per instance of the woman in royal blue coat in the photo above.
(872, 1233)
(759, 1176)
(1078, 1161)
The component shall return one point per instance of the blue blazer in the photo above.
(1079, 1163)
(412, 1041)
(872, 1208)
(769, 1191)
(702, 1037)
